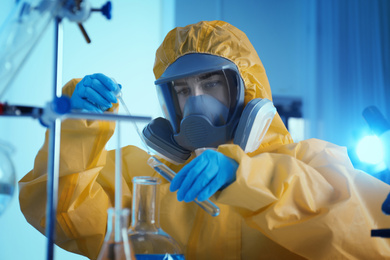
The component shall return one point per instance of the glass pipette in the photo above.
(164, 170)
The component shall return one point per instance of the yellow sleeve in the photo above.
(80, 193)
(308, 198)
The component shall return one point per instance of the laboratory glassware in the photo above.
(20, 32)
(7, 176)
(149, 241)
(26, 24)
(116, 246)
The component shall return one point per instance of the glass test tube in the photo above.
(168, 174)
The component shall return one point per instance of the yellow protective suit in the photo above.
(289, 201)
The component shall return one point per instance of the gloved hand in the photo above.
(204, 176)
(94, 93)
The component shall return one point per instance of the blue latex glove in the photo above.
(94, 93)
(204, 176)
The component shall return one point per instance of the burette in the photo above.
(160, 167)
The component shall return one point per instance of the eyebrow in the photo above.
(209, 75)
(179, 84)
(205, 76)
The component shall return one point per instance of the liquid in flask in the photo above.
(149, 241)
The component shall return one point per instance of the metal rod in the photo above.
(55, 139)
(104, 116)
(118, 184)
(52, 185)
(54, 145)
(84, 32)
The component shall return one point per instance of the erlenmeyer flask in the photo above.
(116, 245)
(149, 241)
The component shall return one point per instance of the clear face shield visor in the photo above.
(212, 94)
(202, 99)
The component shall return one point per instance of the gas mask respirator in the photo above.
(202, 98)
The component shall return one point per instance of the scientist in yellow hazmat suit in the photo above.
(284, 200)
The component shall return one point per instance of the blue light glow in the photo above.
(370, 150)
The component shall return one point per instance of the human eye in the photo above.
(212, 85)
(183, 91)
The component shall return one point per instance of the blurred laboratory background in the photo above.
(326, 61)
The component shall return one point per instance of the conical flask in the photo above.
(149, 241)
(116, 244)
